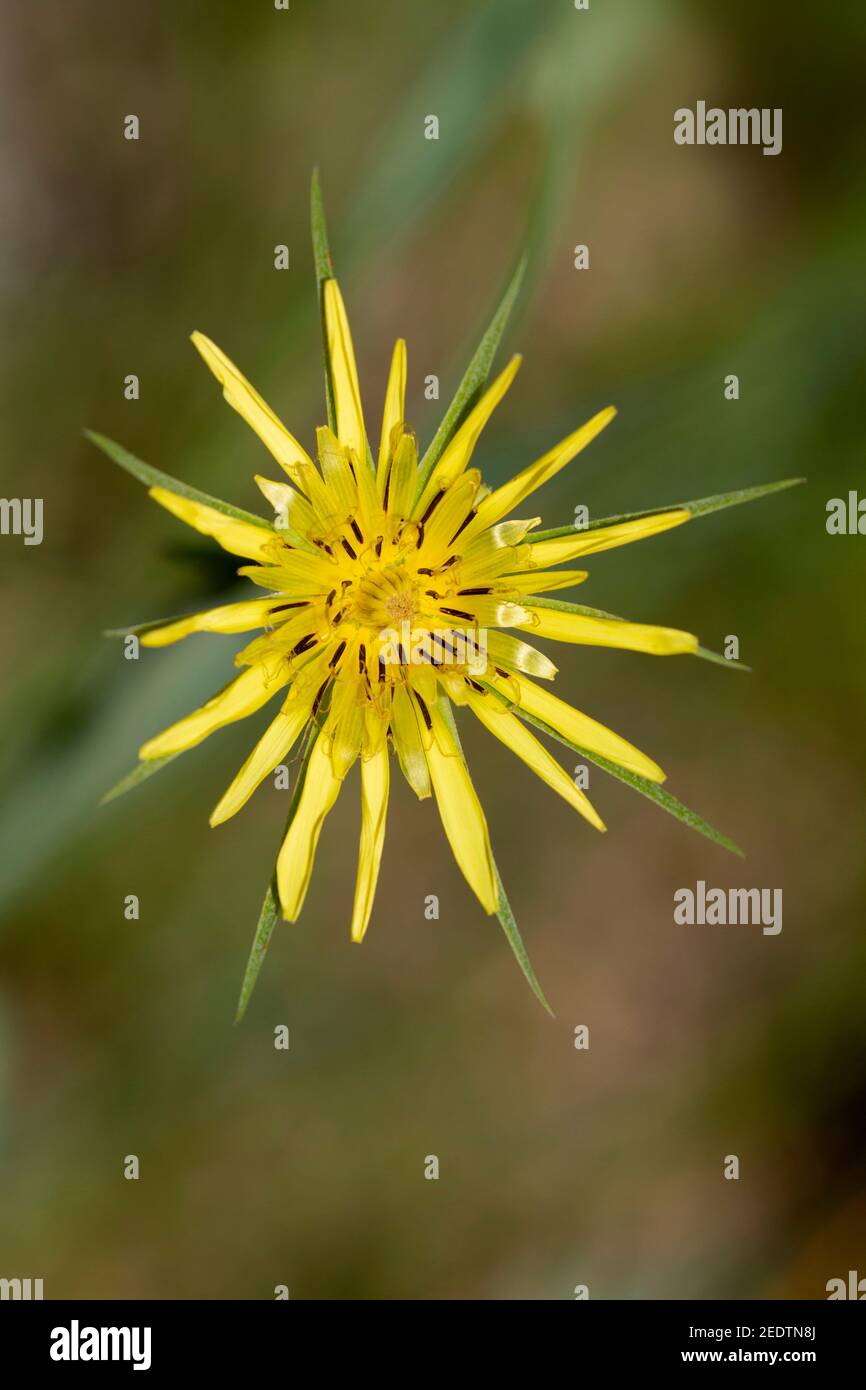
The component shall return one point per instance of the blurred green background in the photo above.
(558, 1167)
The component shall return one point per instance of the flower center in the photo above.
(386, 598)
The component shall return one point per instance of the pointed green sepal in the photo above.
(515, 941)
(542, 601)
(702, 506)
(474, 380)
(505, 915)
(270, 912)
(154, 477)
(146, 768)
(324, 271)
(652, 790)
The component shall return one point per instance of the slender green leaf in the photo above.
(649, 789)
(542, 601)
(270, 907)
(139, 774)
(324, 271)
(154, 477)
(703, 506)
(474, 379)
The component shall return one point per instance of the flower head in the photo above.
(391, 590)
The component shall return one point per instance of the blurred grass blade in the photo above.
(702, 507)
(270, 907)
(652, 790)
(474, 379)
(138, 774)
(542, 601)
(324, 271)
(515, 941)
(154, 477)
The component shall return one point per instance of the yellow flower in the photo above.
(394, 590)
(389, 596)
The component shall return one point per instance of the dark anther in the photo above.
(318, 700)
(464, 523)
(424, 710)
(436, 500)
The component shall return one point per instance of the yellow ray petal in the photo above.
(502, 549)
(239, 537)
(299, 572)
(375, 775)
(347, 719)
(450, 509)
(295, 859)
(460, 812)
(243, 398)
(519, 656)
(503, 501)
(515, 735)
(541, 581)
(581, 628)
(577, 727)
(243, 696)
(395, 405)
(407, 743)
(230, 617)
(294, 516)
(399, 486)
(337, 472)
(344, 373)
(459, 451)
(271, 749)
(562, 549)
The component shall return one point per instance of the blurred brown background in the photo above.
(558, 1167)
